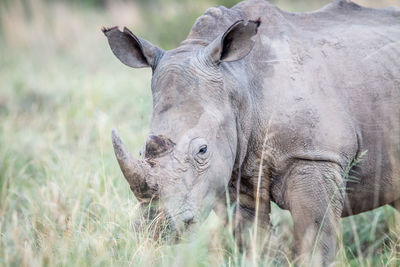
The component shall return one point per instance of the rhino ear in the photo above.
(132, 50)
(235, 43)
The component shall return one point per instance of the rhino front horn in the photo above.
(135, 171)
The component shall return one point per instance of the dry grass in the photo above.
(63, 200)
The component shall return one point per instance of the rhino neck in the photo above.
(246, 102)
(237, 85)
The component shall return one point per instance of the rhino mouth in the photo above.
(161, 226)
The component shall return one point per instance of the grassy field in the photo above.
(63, 200)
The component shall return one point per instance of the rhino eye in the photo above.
(203, 150)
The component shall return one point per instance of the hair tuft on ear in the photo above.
(104, 29)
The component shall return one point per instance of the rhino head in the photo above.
(188, 158)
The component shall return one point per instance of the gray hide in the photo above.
(318, 93)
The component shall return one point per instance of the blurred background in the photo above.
(63, 200)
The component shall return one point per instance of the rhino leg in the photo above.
(244, 217)
(315, 195)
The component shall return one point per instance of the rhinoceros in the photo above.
(302, 109)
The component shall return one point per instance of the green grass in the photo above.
(63, 200)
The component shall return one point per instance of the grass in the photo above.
(63, 200)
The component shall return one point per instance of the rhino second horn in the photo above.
(135, 171)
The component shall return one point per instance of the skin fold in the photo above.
(297, 108)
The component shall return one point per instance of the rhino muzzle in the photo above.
(136, 172)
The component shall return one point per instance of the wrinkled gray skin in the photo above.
(315, 90)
